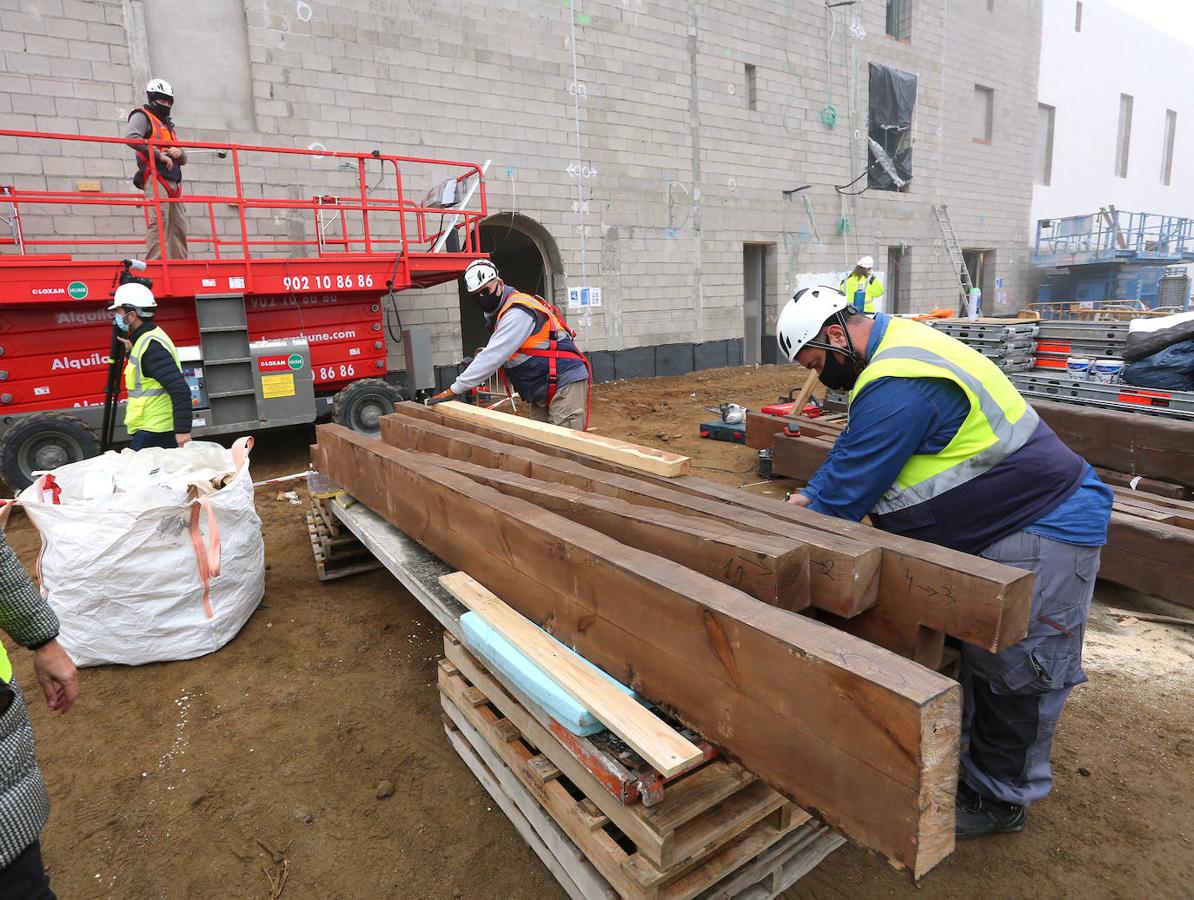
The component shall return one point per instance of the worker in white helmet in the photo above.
(159, 170)
(862, 287)
(532, 345)
(941, 447)
(158, 413)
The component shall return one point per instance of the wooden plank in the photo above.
(1146, 510)
(1150, 617)
(1145, 496)
(1150, 557)
(761, 429)
(798, 457)
(1153, 446)
(842, 571)
(771, 568)
(633, 456)
(859, 736)
(650, 737)
(1146, 485)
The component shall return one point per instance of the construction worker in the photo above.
(862, 287)
(24, 804)
(531, 340)
(941, 447)
(152, 122)
(158, 413)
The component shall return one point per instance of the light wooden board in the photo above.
(643, 459)
(652, 738)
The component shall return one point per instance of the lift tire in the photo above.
(361, 405)
(42, 442)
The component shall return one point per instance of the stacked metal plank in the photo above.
(1060, 340)
(1121, 397)
(1011, 346)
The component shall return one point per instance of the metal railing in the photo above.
(362, 192)
(1111, 234)
(1094, 310)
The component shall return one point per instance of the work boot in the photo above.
(976, 815)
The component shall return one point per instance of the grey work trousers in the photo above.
(1013, 699)
(567, 406)
(174, 227)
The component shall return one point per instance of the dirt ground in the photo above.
(204, 778)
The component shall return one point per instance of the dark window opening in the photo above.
(892, 96)
(899, 19)
(752, 87)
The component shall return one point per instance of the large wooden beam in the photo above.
(862, 738)
(1151, 557)
(967, 597)
(842, 571)
(634, 456)
(799, 457)
(1126, 442)
(770, 568)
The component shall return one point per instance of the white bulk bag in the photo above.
(138, 568)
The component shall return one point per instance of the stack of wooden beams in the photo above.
(705, 600)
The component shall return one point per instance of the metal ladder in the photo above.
(965, 285)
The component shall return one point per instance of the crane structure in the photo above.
(277, 311)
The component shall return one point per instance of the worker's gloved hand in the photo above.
(441, 397)
(799, 499)
(174, 152)
(166, 163)
(182, 439)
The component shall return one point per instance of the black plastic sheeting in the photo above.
(892, 100)
(1146, 343)
(1170, 370)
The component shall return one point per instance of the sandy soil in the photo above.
(202, 778)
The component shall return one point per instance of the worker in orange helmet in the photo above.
(534, 345)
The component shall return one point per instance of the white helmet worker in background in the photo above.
(136, 297)
(813, 331)
(532, 345)
(151, 135)
(863, 287)
(479, 273)
(158, 413)
(942, 448)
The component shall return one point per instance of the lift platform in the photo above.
(292, 255)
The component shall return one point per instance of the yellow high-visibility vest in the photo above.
(874, 289)
(149, 407)
(999, 423)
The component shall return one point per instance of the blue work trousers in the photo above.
(1013, 699)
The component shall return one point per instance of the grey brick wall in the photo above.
(685, 172)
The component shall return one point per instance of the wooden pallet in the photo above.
(701, 833)
(337, 554)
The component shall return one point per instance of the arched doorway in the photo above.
(526, 257)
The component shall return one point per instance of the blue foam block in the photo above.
(498, 653)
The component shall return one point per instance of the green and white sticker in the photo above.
(77, 290)
(295, 361)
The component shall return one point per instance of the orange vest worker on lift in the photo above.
(162, 180)
(534, 344)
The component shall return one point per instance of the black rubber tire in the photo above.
(361, 405)
(41, 442)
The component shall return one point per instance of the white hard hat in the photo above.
(478, 274)
(135, 295)
(867, 262)
(159, 86)
(804, 315)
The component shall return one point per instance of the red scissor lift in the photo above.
(247, 302)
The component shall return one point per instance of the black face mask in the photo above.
(489, 302)
(162, 112)
(839, 376)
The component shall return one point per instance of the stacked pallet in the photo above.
(1057, 341)
(337, 553)
(688, 591)
(717, 831)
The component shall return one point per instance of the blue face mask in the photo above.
(118, 318)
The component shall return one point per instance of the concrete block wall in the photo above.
(649, 99)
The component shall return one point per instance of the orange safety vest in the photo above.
(160, 132)
(546, 341)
